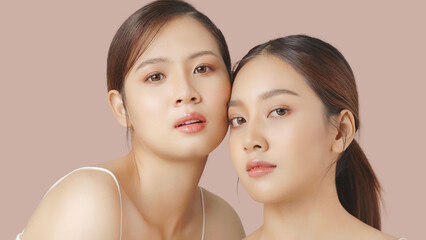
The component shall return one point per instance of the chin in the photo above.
(266, 193)
(204, 144)
(269, 197)
(179, 155)
(261, 196)
(185, 149)
(190, 150)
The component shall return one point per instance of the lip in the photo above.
(258, 168)
(192, 127)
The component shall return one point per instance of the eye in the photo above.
(155, 77)
(202, 69)
(279, 112)
(236, 122)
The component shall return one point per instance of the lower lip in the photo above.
(192, 128)
(258, 172)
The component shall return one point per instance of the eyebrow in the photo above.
(264, 96)
(163, 60)
(201, 53)
(234, 103)
(275, 92)
(151, 61)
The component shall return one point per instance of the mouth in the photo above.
(257, 168)
(191, 122)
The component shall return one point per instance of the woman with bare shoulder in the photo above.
(168, 74)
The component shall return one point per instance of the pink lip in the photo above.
(191, 127)
(257, 168)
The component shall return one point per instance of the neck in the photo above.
(167, 189)
(317, 216)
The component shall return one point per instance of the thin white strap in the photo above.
(18, 237)
(116, 182)
(204, 213)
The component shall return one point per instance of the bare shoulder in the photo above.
(376, 234)
(84, 205)
(364, 231)
(222, 222)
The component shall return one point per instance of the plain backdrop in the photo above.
(55, 117)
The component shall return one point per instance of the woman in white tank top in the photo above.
(168, 74)
(294, 114)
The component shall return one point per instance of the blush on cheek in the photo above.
(300, 146)
(221, 96)
(314, 154)
(220, 86)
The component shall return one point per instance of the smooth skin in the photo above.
(177, 74)
(276, 117)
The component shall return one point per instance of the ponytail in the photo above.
(357, 186)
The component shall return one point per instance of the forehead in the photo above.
(179, 36)
(266, 72)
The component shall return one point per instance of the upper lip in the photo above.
(258, 163)
(195, 116)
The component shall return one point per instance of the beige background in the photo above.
(55, 117)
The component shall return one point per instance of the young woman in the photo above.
(294, 114)
(170, 90)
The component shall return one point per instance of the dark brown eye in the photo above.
(201, 69)
(155, 77)
(279, 112)
(237, 121)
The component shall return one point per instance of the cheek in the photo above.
(239, 156)
(236, 152)
(216, 94)
(300, 146)
(146, 109)
(217, 90)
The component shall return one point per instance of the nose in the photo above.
(186, 99)
(254, 139)
(186, 93)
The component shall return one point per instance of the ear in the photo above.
(117, 106)
(346, 131)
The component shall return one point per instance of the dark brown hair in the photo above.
(136, 33)
(328, 73)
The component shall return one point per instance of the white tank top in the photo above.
(119, 193)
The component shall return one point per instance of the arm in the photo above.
(85, 205)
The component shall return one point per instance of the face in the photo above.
(280, 140)
(177, 92)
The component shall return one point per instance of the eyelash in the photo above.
(231, 122)
(149, 78)
(279, 108)
(207, 69)
(234, 125)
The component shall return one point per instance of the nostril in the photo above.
(193, 98)
(179, 101)
(257, 146)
